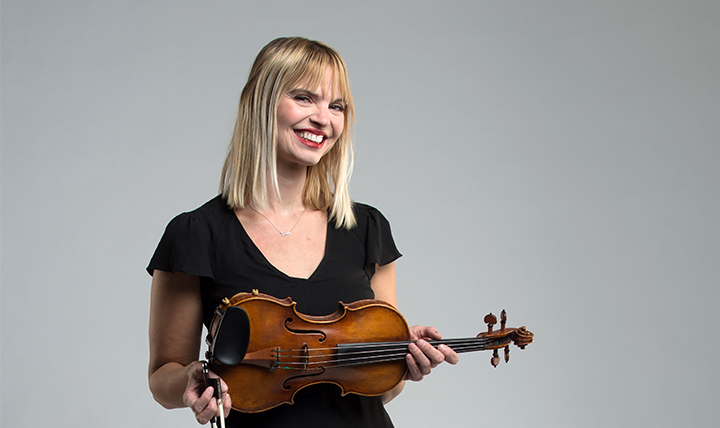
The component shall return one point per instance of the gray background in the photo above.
(558, 159)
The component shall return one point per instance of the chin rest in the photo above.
(232, 337)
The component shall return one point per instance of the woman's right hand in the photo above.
(200, 399)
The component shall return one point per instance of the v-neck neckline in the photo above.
(275, 268)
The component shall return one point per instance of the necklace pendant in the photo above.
(273, 224)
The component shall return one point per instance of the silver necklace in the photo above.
(273, 224)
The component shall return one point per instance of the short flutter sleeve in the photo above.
(186, 246)
(380, 246)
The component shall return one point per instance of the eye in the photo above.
(303, 98)
(338, 107)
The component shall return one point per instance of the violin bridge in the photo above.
(306, 357)
(276, 354)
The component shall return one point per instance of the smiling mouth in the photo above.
(315, 138)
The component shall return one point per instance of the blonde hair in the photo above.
(250, 169)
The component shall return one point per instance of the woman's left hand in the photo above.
(424, 357)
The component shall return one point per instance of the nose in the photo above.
(321, 116)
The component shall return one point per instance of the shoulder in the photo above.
(370, 221)
(213, 212)
(210, 210)
(365, 212)
(190, 238)
(206, 221)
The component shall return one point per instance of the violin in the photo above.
(266, 351)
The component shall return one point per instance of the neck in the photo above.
(291, 182)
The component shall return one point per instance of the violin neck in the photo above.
(471, 344)
(366, 353)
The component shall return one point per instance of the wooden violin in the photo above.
(271, 351)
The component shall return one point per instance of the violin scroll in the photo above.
(502, 338)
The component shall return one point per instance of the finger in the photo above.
(413, 373)
(212, 409)
(422, 332)
(434, 355)
(208, 413)
(450, 355)
(227, 403)
(203, 401)
(432, 333)
(204, 407)
(424, 363)
(194, 395)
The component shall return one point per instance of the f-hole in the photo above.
(320, 370)
(302, 331)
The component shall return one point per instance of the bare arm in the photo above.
(423, 357)
(175, 330)
(383, 284)
(174, 374)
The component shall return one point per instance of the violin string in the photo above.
(380, 346)
(360, 349)
(298, 365)
(366, 353)
(344, 361)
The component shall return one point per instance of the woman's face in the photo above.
(309, 122)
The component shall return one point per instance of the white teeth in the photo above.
(312, 137)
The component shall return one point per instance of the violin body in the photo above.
(262, 380)
(361, 348)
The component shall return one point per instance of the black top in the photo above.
(211, 243)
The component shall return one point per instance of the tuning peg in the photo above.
(490, 320)
(503, 320)
(495, 360)
(507, 353)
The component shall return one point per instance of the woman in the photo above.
(283, 223)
